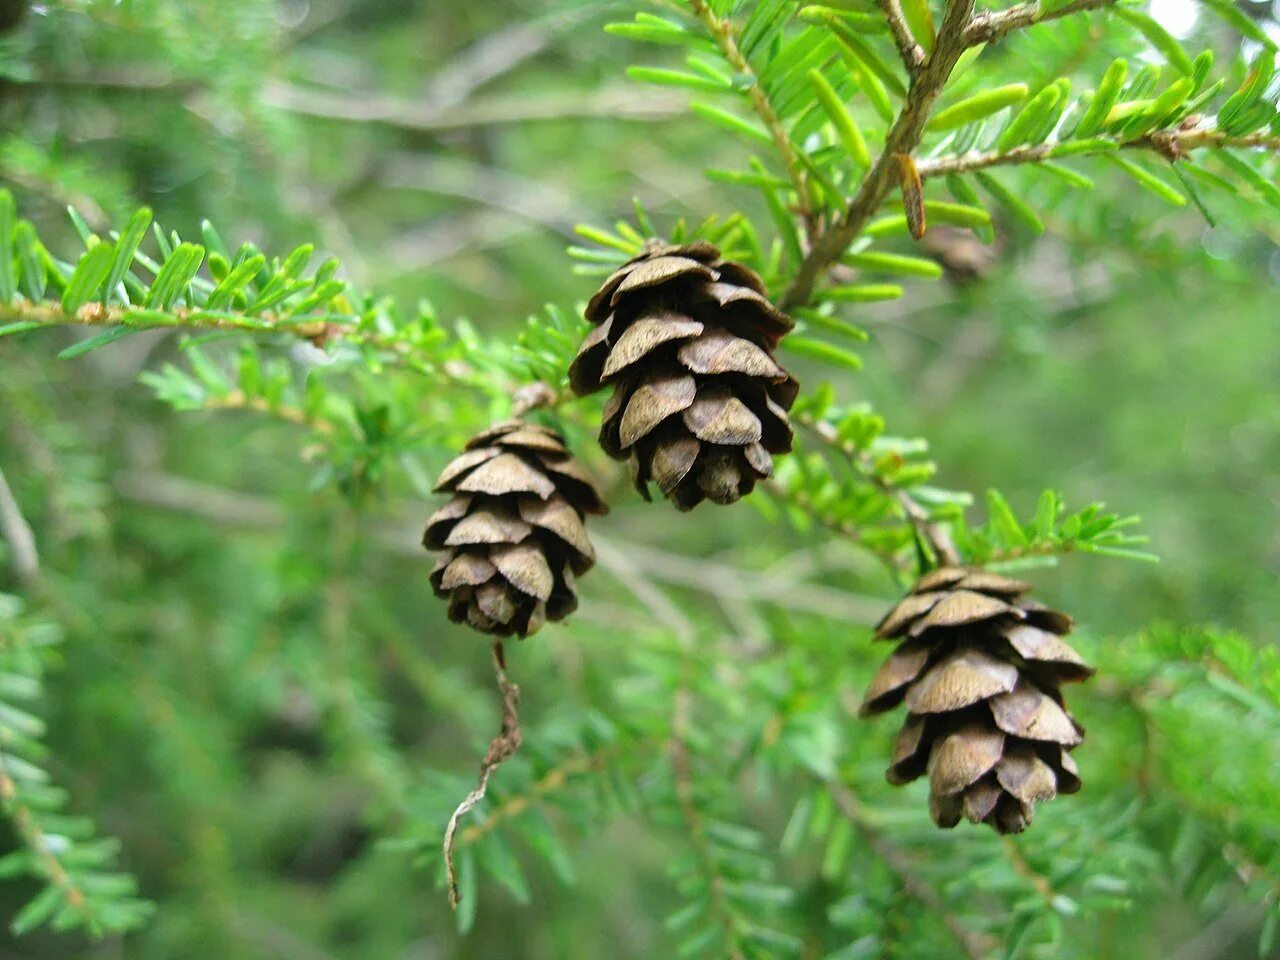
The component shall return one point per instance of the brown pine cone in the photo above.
(699, 404)
(979, 668)
(513, 535)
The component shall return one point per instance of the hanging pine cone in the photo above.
(979, 669)
(513, 535)
(699, 404)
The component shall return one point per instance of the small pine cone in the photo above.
(513, 535)
(979, 668)
(699, 404)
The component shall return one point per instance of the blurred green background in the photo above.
(242, 743)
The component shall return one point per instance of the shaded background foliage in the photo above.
(259, 697)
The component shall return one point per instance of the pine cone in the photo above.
(699, 404)
(979, 669)
(513, 535)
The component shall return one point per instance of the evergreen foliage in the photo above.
(298, 709)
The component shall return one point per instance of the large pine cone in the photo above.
(699, 404)
(513, 535)
(980, 669)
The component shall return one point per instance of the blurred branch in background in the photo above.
(15, 530)
(497, 54)
(544, 206)
(975, 945)
(614, 103)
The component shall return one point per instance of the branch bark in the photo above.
(994, 24)
(913, 55)
(1165, 143)
(903, 138)
(320, 331)
(502, 748)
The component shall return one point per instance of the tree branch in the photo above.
(722, 32)
(913, 55)
(1023, 868)
(495, 55)
(1165, 143)
(917, 515)
(976, 946)
(501, 748)
(737, 585)
(34, 838)
(611, 103)
(903, 138)
(686, 797)
(318, 331)
(407, 114)
(994, 24)
(239, 400)
(549, 783)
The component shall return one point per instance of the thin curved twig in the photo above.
(501, 748)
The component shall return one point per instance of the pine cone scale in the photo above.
(1032, 714)
(718, 351)
(487, 526)
(962, 758)
(527, 439)
(717, 416)
(980, 801)
(525, 567)
(652, 403)
(962, 607)
(464, 463)
(557, 516)
(645, 336)
(672, 459)
(1027, 777)
(961, 680)
(906, 612)
(888, 686)
(758, 457)
(466, 569)
(658, 271)
(575, 484)
(587, 368)
(504, 474)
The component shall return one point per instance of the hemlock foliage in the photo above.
(1041, 235)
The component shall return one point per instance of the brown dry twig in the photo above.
(501, 748)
